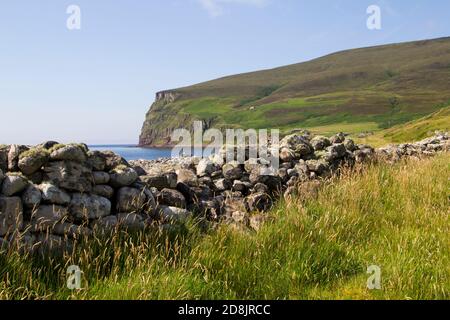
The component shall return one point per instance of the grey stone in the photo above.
(160, 181)
(232, 171)
(171, 198)
(105, 224)
(188, 177)
(103, 191)
(13, 156)
(259, 202)
(69, 175)
(172, 214)
(31, 197)
(130, 200)
(123, 177)
(205, 167)
(69, 153)
(53, 195)
(32, 162)
(223, 184)
(131, 221)
(84, 206)
(100, 177)
(320, 143)
(13, 184)
(49, 214)
(11, 215)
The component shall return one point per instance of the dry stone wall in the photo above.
(51, 194)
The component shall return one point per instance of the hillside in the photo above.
(358, 90)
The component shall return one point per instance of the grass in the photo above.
(411, 131)
(395, 217)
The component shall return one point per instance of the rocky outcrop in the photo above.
(80, 192)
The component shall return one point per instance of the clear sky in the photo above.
(95, 84)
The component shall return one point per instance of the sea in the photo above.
(131, 152)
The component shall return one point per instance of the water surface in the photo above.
(131, 152)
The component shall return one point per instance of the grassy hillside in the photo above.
(412, 131)
(358, 90)
(395, 217)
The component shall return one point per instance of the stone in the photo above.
(61, 229)
(336, 151)
(139, 170)
(319, 143)
(49, 214)
(205, 167)
(160, 181)
(36, 178)
(273, 182)
(131, 221)
(338, 138)
(31, 197)
(11, 215)
(96, 160)
(232, 171)
(68, 152)
(54, 195)
(2, 176)
(69, 175)
(105, 224)
(260, 188)
(13, 184)
(239, 186)
(171, 198)
(4, 150)
(48, 145)
(298, 144)
(350, 145)
(234, 203)
(259, 202)
(188, 177)
(100, 177)
(103, 191)
(123, 177)
(223, 184)
(187, 192)
(13, 156)
(32, 160)
(84, 206)
(172, 214)
(287, 155)
(113, 160)
(317, 166)
(130, 200)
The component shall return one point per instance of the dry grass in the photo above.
(393, 216)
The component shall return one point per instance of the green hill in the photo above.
(358, 90)
(411, 131)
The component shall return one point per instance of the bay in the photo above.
(131, 152)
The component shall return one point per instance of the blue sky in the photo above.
(95, 84)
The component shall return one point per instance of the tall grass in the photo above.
(395, 217)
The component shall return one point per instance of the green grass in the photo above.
(412, 131)
(382, 86)
(395, 217)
